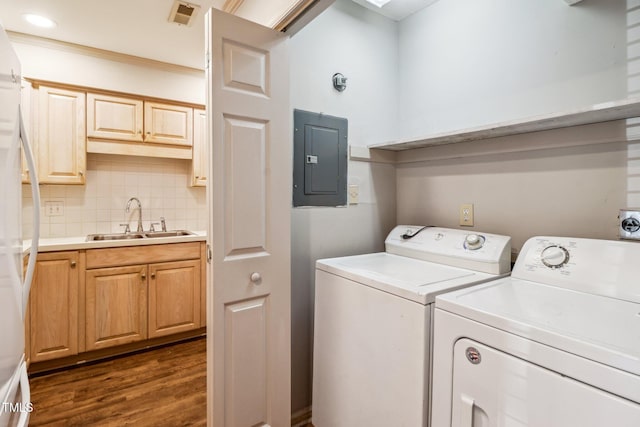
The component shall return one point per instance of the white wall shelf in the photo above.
(604, 112)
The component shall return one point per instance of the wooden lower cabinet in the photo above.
(53, 307)
(174, 297)
(145, 300)
(116, 306)
(96, 299)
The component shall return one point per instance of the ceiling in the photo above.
(142, 28)
(397, 10)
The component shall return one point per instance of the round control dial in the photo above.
(630, 225)
(554, 256)
(473, 242)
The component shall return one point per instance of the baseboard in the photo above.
(301, 418)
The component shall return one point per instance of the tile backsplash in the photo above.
(162, 185)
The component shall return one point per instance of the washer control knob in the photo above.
(473, 242)
(554, 256)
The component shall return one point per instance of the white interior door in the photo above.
(249, 199)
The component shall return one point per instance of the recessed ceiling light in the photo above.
(378, 3)
(39, 21)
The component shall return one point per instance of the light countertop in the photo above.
(75, 243)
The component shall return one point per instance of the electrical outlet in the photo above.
(466, 215)
(54, 208)
(354, 194)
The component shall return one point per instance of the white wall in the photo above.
(162, 185)
(467, 62)
(362, 45)
(98, 69)
(99, 206)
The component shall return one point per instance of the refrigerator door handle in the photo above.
(26, 404)
(35, 194)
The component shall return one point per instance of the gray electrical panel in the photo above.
(319, 159)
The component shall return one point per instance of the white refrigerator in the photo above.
(14, 288)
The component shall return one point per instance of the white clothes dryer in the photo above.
(556, 344)
(373, 317)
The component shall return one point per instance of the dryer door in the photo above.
(492, 388)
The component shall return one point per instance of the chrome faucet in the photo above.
(128, 209)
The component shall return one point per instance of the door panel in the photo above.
(62, 136)
(497, 389)
(174, 297)
(246, 333)
(168, 124)
(249, 198)
(116, 301)
(245, 143)
(53, 307)
(112, 117)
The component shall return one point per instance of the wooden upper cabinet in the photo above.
(62, 134)
(168, 124)
(200, 149)
(112, 117)
(138, 127)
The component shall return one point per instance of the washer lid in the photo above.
(409, 278)
(599, 328)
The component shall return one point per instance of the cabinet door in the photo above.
(61, 137)
(53, 306)
(111, 117)
(116, 306)
(168, 124)
(200, 149)
(174, 297)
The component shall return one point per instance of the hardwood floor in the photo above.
(159, 387)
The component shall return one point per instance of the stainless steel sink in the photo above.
(115, 236)
(129, 236)
(174, 233)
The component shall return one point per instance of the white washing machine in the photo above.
(556, 344)
(373, 317)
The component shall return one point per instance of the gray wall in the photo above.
(455, 65)
(465, 63)
(363, 46)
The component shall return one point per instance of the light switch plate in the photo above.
(466, 215)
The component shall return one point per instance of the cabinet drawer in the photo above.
(116, 257)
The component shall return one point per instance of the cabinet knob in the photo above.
(80, 173)
(143, 275)
(153, 275)
(73, 264)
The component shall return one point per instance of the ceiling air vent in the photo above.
(183, 13)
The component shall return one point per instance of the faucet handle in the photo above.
(126, 228)
(152, 228)
(164, 224)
